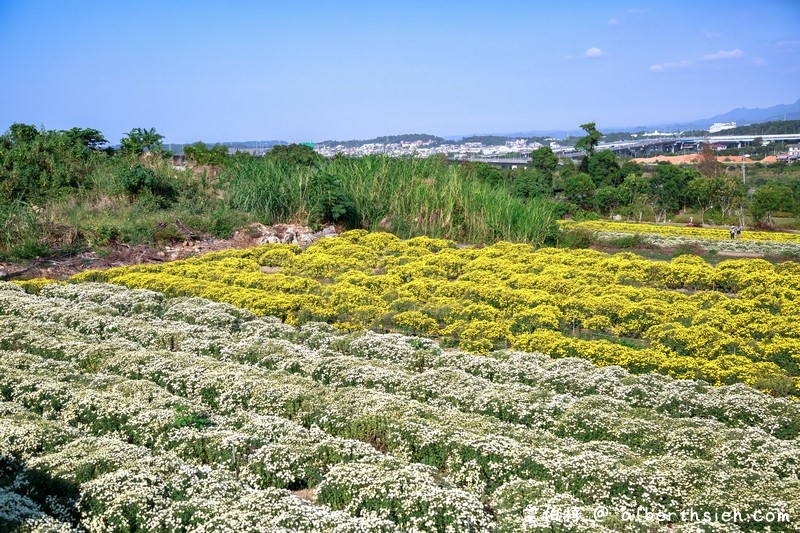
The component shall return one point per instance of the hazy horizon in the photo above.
(357, 70)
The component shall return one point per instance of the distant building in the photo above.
(719, 126)
(794, 150)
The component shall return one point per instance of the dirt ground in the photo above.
(113, 256)
(116, 255)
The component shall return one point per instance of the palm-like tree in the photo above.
(141, 140)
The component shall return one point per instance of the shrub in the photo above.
(139, 179)
(577, 238)
(328, 200)
(628, 241)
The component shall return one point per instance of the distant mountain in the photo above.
(253, 144)
(533, 134)
(740, 115)
(387, 139)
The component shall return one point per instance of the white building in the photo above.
(719, 126)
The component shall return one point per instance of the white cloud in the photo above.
(759, 61)
(568, 58)
(675, 65)
(787, 44)
(711, 34)
(613, 22)
(723, 54)
(594, 52)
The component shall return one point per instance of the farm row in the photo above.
(718, 240)
(663, 230)
(725, 324)
(124, 409)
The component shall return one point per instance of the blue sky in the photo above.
(311, 71)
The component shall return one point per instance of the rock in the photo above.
(272, 239)
(385, 224)
(329, 231)
(617, 217)
(305, 240)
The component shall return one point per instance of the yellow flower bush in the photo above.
(735, 322)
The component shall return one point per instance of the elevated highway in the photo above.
(645, 147)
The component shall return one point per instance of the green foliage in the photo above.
(486, 140)
(200, 153)
(668, 187)
(272, 191)
(631, 167)
(184, 417)
(140, 140)
(591, 140)
(604, 169)
(635, 240)
(531, 183)
(138, 179)
(167, 233)
(414, 196)
(769, 199)
(485, 173)
(21, 235)
(577, 238)
(544, 160)
(579, 189)
(328, 200)
(295, 154)
(607, 198)
(37, 164)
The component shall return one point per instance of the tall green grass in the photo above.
(21, 234)
(272, 191)
(415, 196)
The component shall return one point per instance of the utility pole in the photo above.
(744, 178)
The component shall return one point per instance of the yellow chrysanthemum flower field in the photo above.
(726, 324)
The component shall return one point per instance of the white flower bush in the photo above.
(122, 409)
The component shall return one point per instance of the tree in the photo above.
(544, 160)
(22, 133)
(531, 183)
(485, 173)
(668, 188)
(35, 164)
(708, 164)
(200, 154)
(140, 140)
(579, 189)
(604, 169)
(729, 194)
(630, 167)
(89, 138)
(701, 192)
(632, 187)
(295, 154)
(769, 199)
(591, 140)
(606, 199)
